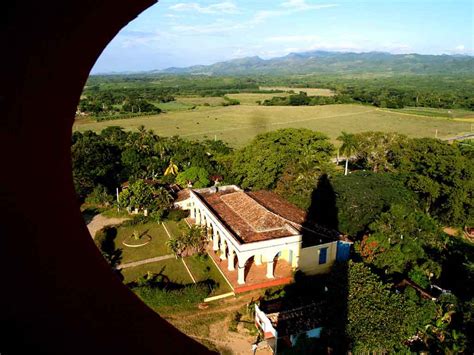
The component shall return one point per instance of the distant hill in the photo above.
(335, 62)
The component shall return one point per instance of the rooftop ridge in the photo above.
(250, 216)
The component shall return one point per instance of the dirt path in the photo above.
(238, 343)
(99, 221)
(227, 305)
(219, 334)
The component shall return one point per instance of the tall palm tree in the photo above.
(348, 147)
(162, 148)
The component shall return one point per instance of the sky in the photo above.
(177, 33)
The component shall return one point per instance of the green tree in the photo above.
(374, 149)
(260, 164)
(138, 195)
(441, 176)
(404, 240)
(376, 317)
(99, 196)
(361, 197)
(348, 147)
(191, 242)
(300, 179)
(94, 161)
(162, 199)
(197, 177)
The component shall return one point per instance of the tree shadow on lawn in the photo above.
(89, 213)
(105, 241)
(161, 281)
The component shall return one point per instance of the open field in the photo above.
(456, 114)
(237, 125)
(309, 91)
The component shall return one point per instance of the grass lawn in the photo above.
(176, 228)
(237, 125)
(172, 268)
(204, 269)
(201, 268)
(156, 247)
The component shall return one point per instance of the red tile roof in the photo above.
(278, 205)
(245, 217)
(182, 195)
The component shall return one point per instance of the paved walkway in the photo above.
(146, 261)
(99, 221)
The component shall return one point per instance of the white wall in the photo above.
(309, 259)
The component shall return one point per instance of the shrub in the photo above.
(176, 215)
(136, 220)
(180, 299)
(234, 322)
(157, 216)
(99, 196)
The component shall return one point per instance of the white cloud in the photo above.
(291, 7)
(173, 16)
(293, 38)
(460, 48)
(226, 7)
(217, 27)
(302, 5)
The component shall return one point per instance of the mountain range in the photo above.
(323, 62)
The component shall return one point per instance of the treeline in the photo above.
(399, 98)
(436, 91)
(104, 103)
(203, 85)
(302, 99)
(380, 97)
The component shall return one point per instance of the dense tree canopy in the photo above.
(441, 176)
(194, 176)
(94, 162)
(357, 199)
(261, 163)
(374, 149)
(405, 241)
(378, 320)
(115, 156)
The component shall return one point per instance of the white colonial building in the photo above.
(260, 230)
